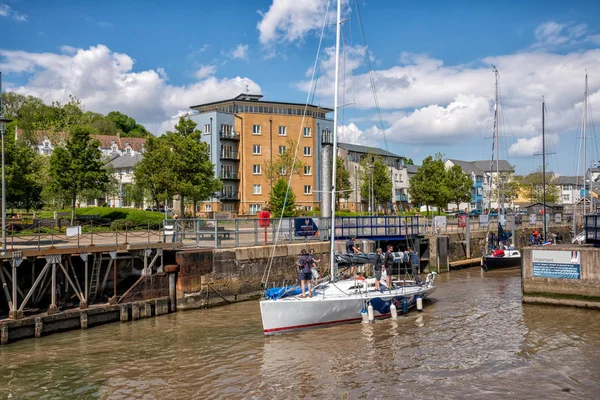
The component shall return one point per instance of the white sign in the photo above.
(439, 221)
(558, 218)
(484, 220)
(74, 230)
(532, 219)
(556, 264)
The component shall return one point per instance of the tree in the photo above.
(154, 173)
(78, 166)
(510, 185)
(342, 182)
(376, 174)
(407, 161)
(532, 187)
(284, 165)
(127, 125)
(458, 185)
(427, 186)
(277, 200)
(133, 194)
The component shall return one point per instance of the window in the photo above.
(282, 131)
(307, 208)
(207, 129)
(307, 189)
(307, 170)
(128, 151)
(254, 209)
(566, 197)
(281, 149)
(256, 189)
(307, 151)
(282, 171)
(256, 129)
(256, 169)
(208, 207)
(227, 207)
(307, 132)
(256, 149)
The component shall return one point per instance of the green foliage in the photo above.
(277, 200)
(428, 186)
(126, 125)
(342, 182)
(458, 185)
(408, 161)
(532, 187)
(283, 166)
(510, 185)
(78, 166)
(382, 182)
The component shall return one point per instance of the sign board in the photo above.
(558, 218)
(462, 221)
(306, 227)
(560, 264)
(532, 219)
(484, 220)
(439, 221)
(222, 216)
(74, 230)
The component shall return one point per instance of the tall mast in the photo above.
(335, 131)
(544, 165)
(585, 99)
(497, 144)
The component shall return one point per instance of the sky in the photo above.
(430, 62)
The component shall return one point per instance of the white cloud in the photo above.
(290, 20)
(204, 71)
(240, 51)
(553, 35)
(102, 24)
(527, 147)
(6, 11)
(105, 81)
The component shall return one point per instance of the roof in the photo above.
(547, 204)
(569, 180)
(412, 169)
(106, 141)
(355, 148)
(125, 161)
(480, 167)
(256, 99)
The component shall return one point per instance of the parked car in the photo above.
(579, 239)
(474, 212)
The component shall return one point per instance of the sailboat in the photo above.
(336, 301)
(500, 257)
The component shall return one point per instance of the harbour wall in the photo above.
(582, 291)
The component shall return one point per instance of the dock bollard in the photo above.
(172, 271)
(393, 311)
(419, 303)
(405, 307)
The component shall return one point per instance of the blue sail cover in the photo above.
(503, 236)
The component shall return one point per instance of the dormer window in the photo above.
(128, 151)
(114, 148)
(46, 144)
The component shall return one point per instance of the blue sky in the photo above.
(431, 64)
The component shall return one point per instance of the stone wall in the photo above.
(584, 292)
(214, 277)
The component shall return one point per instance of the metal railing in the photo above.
(229, 135)
(229, 175)
(230, 155)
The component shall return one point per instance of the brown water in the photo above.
(476, 339)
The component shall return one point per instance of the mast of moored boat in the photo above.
(335, 131)
(497, 144)
(544, 167)
(585, 99)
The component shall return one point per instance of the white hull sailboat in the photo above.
(340, 301)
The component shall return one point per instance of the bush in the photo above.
(135, 217)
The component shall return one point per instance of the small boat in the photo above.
(506, 259)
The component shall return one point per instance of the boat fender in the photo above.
(393, 311)
(371, 313)
(365, 316)
(405, 307)
(419, 303)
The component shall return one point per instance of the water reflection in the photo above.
(476, 339)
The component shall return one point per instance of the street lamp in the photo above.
(3, 122)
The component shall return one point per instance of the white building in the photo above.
(571, 189)
(123, 172)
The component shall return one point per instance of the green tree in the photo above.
(407, 161)
(510, 185)
(532, 187)
(284, 165)
(133, 194)
(78, 166)
(127, 125)
(458, 185)
(376, 174)
(342, 182)
(427, 186)
(277, 200)
(154, 173)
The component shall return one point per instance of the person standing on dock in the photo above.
(305, 263)
(414, 265)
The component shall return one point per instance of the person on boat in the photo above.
(389, 265)
(414, 264)
(378, 267)
(305, 263)
(314, 269)
(511, 246)
(350, 247)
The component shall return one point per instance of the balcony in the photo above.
(229, 135)
(230, 155)
(227, 195)
(229, 175)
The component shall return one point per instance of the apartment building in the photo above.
(245, 133)
(353, 154)
(571, 189)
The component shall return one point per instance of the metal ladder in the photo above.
(95, 278)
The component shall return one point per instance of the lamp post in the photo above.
(3, 122)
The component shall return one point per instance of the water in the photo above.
(476, 339)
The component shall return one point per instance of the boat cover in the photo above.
(355, 259)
